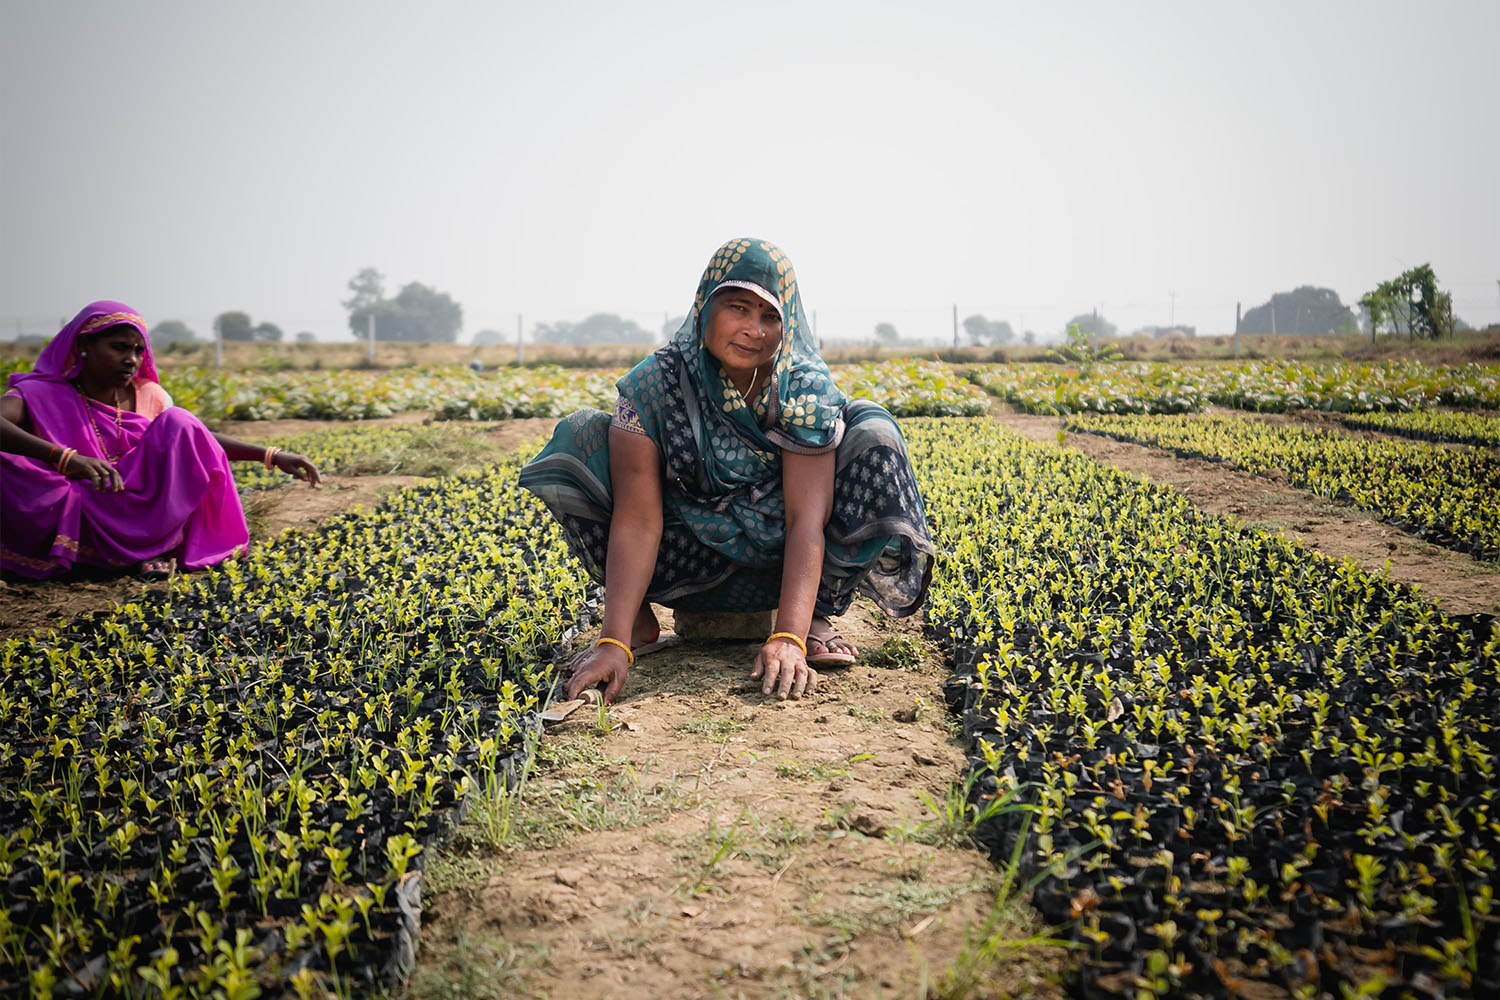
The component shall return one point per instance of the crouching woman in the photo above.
(735, 476)
(98, 468)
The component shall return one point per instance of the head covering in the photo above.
(800, 408)
(60, 359)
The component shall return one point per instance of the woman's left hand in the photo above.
(782, 667)
(294, 464)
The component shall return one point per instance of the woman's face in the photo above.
(743, 330)
(112, 358)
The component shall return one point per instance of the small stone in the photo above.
(905, 715)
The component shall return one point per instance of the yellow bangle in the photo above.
(630, 657)
(788, 635)
(271, 452)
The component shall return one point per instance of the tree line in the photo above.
(1411, 303)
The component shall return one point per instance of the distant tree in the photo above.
(600, 328)
(307, 337)
(428, 314)
(266, 331)
(417, 313)
(560, 332)
(1092, 324)
(365, 289)
(1029, 337)
(1411, 299)
(488, 337)
(1306, 309)
(234, 326)
(171, 331)
(670, 327)
(886, 333)
(987, 331)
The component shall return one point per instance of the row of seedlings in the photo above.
(1262, 386)
(228, 787)
(1248, 764)
(913, 388)
(361, 450)
(1450, 426)
(1449, 496)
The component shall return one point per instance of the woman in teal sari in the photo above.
(735, 476)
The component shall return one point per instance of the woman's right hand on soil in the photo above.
(607, 663)
(96, 471)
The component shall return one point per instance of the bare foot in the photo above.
(646, 629)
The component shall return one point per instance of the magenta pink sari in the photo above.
(179, 498)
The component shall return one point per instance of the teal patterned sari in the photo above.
(724, 517)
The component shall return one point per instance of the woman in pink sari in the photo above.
(97, 467)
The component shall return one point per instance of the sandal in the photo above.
(157, 569)
(826, 634)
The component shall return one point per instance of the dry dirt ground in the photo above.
(701, 840)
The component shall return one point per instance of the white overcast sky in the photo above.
(1028, 161)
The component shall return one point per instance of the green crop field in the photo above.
(1219, 763)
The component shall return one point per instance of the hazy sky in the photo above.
(1027, 161)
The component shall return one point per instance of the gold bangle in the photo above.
(271, 452)
(789, 635)
(630, 657)
(66, 459)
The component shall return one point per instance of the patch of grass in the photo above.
(545, 812)
(584, 804)
(881, 903)
(1010, 927)
(490, 970)
(257, 506)
(791, 770)
(574, 752)
(956, 816)
(446, 871)
(706, 853)
(896, 653)
(770, 844)
(866, 714)
(713, 727)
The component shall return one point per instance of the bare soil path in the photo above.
(703, 840)
(1459, 583)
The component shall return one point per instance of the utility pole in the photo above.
(371, 354)
(955, 330)
(520, 347)
(1172, 322)
(1237, 330)
(218, 344)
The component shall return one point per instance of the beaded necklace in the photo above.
(94, 425)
